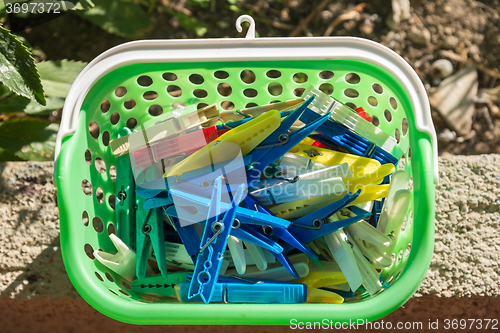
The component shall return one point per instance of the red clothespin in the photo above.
(319, 145)
(362, 113)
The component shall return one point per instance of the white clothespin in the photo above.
(123, 262)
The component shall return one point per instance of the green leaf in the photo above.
(192, 23)
(118, 17)
(76, 4)
(58, 76)
(28, 138)
(18, 70)
(8, 156)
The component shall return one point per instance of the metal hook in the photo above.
(217, 225)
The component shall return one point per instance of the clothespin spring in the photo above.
(217, 227)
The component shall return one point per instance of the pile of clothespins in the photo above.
(292, 202)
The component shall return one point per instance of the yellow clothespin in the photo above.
(322, 279)
(236, 142)
(315, 295)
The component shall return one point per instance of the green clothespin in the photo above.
(149, 230)
(125, 197)
(159, 284)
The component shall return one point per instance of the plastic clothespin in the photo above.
(377, 208)
(395, 207)
(159, 284)
(280, 142)
(334, 134)
(123, 262)
(155, 130)
(349, 118)
(236, 142)
(125, 214)
(213, 244)
(291, 165)
(197, 181)
(316, 295)
(273, 272)
(149, 231)
(228, 116)
(371, 242)
(238, 290)
(319, 223)
(274, 191)
(233, 124)
(356, 163)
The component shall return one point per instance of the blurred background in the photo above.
(453, 45)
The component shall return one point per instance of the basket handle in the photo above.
(251, 28)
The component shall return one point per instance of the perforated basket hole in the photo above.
(299, 92)
(113, 292)
(222, 75)
(97, 224)
(402, 163)
(200, 93)
(250, 93)
(393, 259)
(115, 118)
(372, 101)
(377, 88)
(94, 129)
(129, 104)
(124, 292)
(88, 157)
(275, 101)
(89, 251)
(99, 195)
(169, 76)
(351, 105)
(247, 76)
(120, 91)
(131, 123)
(400, 256)
(251, 105)
(227, 105)
(300, 77)
(196, 79)
(85, 218)
(224, 89)
(105, 138)
(87, 187)
(407, 251)
(273, 74)
(397, 136)
(111, 229)
(155, 110)
(109, 277)
(326, 75)
(150, 95)
(327, 88)
(275, 89)
(105, 105)
(174, 91)
(375, 121)
(144, 81)
(112, 172)
(201, 105)
(99, 276)
(126, 285)
(352, 78)
(112, 201)
(351, 93)
(404, 225)
(404, 126)
(387, 115)
(100, 165)
(393, 103)
(410, 218)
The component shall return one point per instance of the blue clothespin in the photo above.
(312, 226)
(213, 244)
(384, 157)
(189, 238)
(377, 208)
(334, 134)
(280, 142)
(279, 232)
(243, 290)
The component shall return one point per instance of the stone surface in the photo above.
(465, 261)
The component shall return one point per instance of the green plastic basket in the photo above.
(110, 95)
